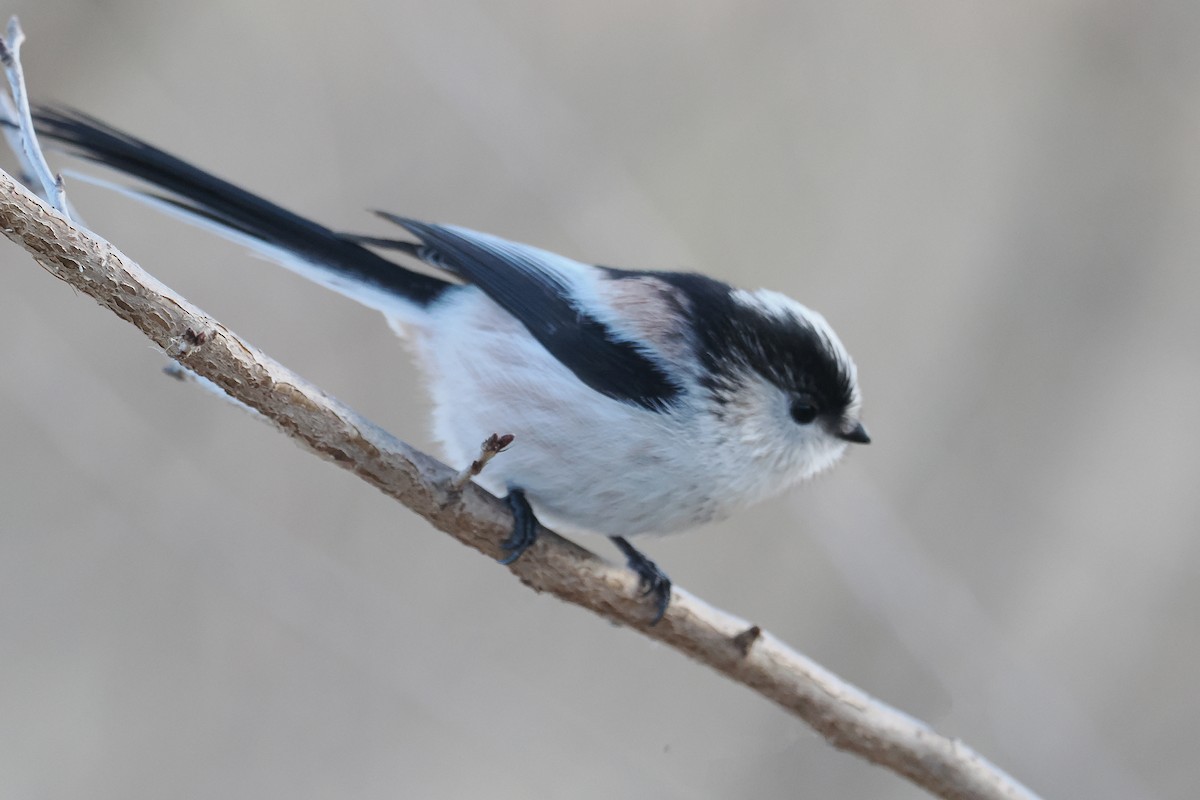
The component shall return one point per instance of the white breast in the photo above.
(585, 461)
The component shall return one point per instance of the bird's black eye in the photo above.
(804, 410)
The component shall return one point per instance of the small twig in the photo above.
(746, 639)
(493, 446)
(33, 160)
(11, 129)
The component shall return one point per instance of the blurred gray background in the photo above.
(995, 204)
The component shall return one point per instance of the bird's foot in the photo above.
(652, 580)
(525, 525)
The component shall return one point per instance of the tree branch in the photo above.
(847, 717)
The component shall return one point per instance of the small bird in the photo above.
(641, 402)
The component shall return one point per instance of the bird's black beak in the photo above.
(856, 434)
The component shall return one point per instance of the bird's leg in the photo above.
(651, 579)
(525, 525)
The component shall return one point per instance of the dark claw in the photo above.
(525, 525)
(651, 579)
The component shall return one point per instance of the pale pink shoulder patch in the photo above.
(652, 310)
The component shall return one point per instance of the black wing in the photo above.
(524, 282)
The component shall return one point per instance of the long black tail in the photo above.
(318, 253)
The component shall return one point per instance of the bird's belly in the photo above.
(585, 461)
(619, 491)
(583, 471)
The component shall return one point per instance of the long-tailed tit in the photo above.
(641, 402)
